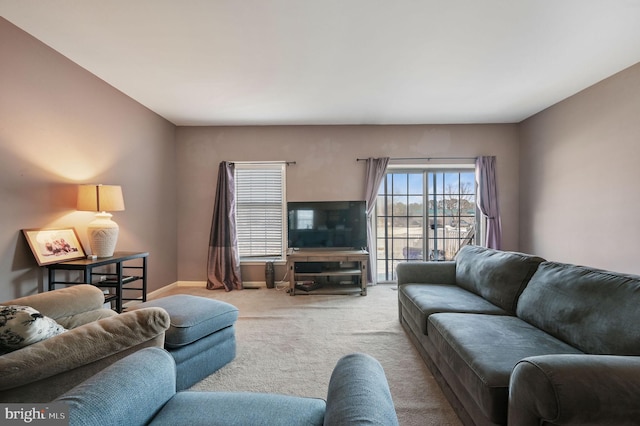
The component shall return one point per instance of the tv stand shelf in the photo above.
(324, 267)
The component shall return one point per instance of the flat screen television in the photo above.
(327, 224)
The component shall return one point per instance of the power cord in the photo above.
(282, 284)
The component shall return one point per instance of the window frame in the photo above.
(257, 166)
(423, 169)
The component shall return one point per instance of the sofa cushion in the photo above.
(591, 309)
(498, 276)
(483, 349)
(422, 300)
(22, 326)
(240, 408)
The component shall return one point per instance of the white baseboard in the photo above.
(152, 295)
(246, 284)
(262, 284)
(254, 284)
(158, 292)
(191, 283)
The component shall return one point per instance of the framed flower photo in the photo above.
(54, 245)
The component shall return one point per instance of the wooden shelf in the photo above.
(340, 289)
(324, 267)
(125, 280)
(331, 273)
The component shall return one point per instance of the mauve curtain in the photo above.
(376, 169)
(223, 264)
(488, 199)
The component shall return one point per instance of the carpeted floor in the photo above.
(290, 345)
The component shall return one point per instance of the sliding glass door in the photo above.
(424, 215)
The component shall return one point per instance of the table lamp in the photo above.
(102, 231)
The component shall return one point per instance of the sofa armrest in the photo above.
(426, 272)
(575, 389)
(64, 302)
(80, 346)
(130, 391)
(359, 393)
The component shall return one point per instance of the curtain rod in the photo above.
(288, 163)
(425, 158)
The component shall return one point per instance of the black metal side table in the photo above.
(114, 274)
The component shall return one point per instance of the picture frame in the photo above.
(54, 245)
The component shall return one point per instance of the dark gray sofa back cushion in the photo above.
(593, 310)
(498, 276)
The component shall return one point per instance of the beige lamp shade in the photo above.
(102, 231)
(100, 198)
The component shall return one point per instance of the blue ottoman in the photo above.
(201, 337)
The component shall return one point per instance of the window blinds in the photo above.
(260, 209)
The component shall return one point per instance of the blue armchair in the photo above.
(141, 389)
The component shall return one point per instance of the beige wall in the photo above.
(60, 126)
(325, 169)
(579, 197)
(566, 176)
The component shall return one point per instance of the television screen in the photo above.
(330, 224)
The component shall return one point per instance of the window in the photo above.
(424, 214)
(260, 210)
(304, 219)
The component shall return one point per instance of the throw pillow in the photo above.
(21, 326)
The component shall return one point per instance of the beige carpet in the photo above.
(290, 345)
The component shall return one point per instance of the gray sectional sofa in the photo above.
(514, 339)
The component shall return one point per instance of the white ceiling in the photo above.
(272, 62)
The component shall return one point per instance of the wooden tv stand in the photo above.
(323, 266)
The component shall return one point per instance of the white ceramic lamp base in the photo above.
(103, 235)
